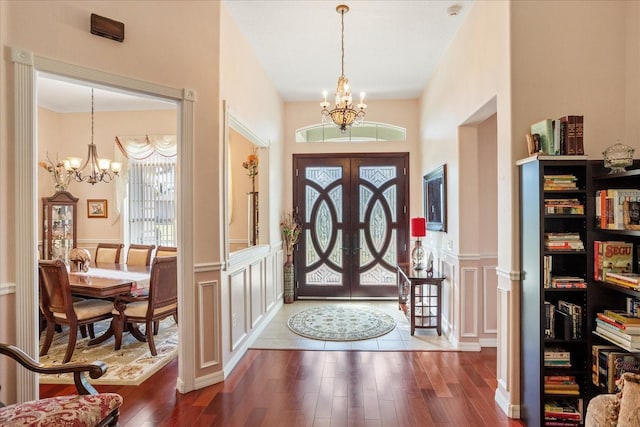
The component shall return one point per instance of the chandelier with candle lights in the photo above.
(343, 114)
(98, 169)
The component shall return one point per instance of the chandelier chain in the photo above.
(342, 58)
(91, 115)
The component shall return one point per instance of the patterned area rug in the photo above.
(130, 365)
(341, 323)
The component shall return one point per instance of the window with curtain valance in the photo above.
(147, 188)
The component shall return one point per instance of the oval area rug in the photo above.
(341, 323)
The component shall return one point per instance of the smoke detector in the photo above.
(454, 10)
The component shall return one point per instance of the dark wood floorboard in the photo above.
(315, 388)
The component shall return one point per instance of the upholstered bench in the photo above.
(617, 410)
(89, 408)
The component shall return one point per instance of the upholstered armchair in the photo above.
(617, 410)
(87, 408)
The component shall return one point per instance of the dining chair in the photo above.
(139, 254)
(58, 306)
(108, 253)
(161, 302)
(166, 251)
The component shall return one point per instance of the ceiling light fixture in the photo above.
(343, 114)
(98, 168)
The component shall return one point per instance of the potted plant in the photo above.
(290, 233)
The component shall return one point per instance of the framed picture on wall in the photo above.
(434, 187)
(97, 208)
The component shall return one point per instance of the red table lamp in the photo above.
(418, 230)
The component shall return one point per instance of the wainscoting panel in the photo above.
(490, 300)
(238, 312)
(208, 297)
(256, 285)
(269, 290)
(469, 302)
(449, 296)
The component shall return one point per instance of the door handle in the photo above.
(345, 248)
(356, 248)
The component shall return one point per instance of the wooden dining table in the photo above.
(107, 281)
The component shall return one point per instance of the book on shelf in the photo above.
(560, 137)
(550, 422)
(544, 130)
(560, 182)
(595, 353)
(579, 121)
(567, 282)
(615, 339)
(549, 320)
(560, 379)
(633, 306)
(557, 353)
(611, 256)
(563, 207)
(630, 329)
(575, 311)
(610, 208)
(569, 131)
(622, 316)
(564, 325)
(563, 242)
(632, 278)
(612, 365)
(631, 214)
(619, 282)
(604, 328)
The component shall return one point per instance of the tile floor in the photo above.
(277, 334)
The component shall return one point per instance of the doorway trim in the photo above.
(26, 67)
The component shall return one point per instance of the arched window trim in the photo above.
(366, 132)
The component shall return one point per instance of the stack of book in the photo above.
(557, 358)
(561, 384)
(563, 207)
(628, 280)
(567, 282)
(563, 242)
(561, 413)
(611, 256)
(560, 182)
(619, 327)
(560, 137)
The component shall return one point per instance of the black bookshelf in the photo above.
(604, 295)
(535, 223)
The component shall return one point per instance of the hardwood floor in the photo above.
(323, 388)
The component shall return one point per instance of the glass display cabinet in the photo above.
(59, 213)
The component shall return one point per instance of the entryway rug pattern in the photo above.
(130, 365)
(341, 323)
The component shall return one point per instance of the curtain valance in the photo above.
(142, 146)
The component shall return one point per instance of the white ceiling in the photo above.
(391, 50)
(391, 47)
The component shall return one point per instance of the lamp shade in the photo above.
(418, 227)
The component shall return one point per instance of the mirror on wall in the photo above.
(245, 177)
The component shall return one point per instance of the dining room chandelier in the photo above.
(98, 168)
(343, 114)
